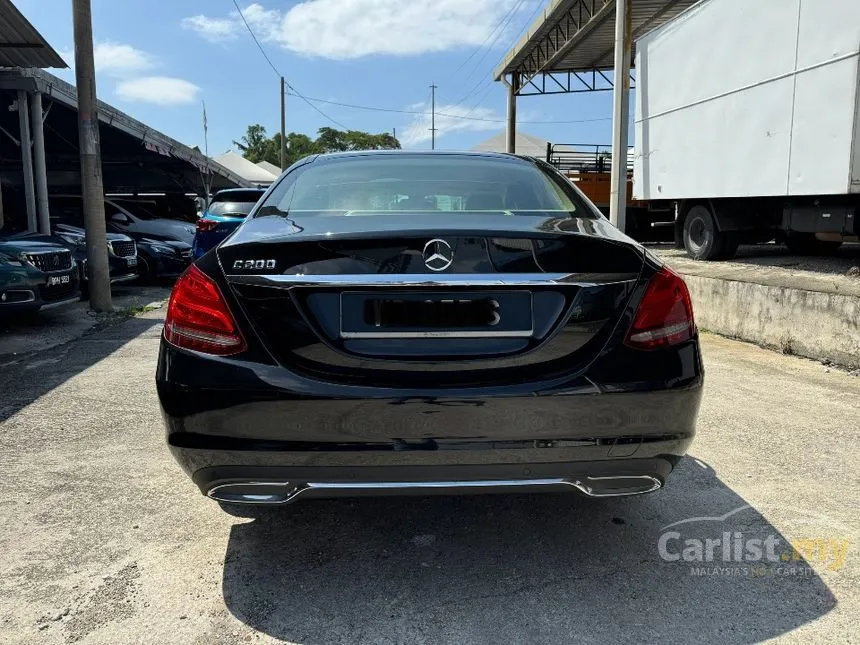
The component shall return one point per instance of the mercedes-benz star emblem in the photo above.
(438, 255)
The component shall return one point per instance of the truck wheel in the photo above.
(808, 244)
(701, 238)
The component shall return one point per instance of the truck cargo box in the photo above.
(743, 98)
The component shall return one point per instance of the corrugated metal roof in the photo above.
(20, 44)
(579, 35)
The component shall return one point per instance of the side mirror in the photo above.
(119, 218)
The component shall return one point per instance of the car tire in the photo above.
(145, 269)
(808, 244)
(702, 239)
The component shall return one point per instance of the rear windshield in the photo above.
(242, 196)
(230, 208)
(367, 185)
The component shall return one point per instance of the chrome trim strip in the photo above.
(292, 490)
(286, 281)
(437, 334)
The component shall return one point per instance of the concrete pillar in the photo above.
(2, 220)
(511, 131)
(39, 163)
(27, 160)
(620, 113)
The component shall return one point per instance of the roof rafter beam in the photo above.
(580, 20)
(641, 29)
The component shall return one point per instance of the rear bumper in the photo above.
(332, 447)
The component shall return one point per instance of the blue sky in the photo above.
(158, 60)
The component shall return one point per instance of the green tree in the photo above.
(256, 146)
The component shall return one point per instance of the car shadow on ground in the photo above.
(27, 376)
(525, 568)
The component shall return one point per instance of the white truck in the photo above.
(748, 124)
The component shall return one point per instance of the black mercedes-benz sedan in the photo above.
(401, 322)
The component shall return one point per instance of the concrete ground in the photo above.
(54, 327)
(104, 540)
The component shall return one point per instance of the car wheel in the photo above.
(146, 269)
(702, 240)
(808, 244)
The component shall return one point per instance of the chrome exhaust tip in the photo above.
(253, 492)
(617, 486)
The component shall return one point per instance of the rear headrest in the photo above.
(484, 202)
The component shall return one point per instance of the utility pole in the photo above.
(620, 113)
(92, 187)
(207, 173)
(433, 117)
(283, 127)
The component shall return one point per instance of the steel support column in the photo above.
(620, 113)
(27, 160)
(511, 130)
(39, 163)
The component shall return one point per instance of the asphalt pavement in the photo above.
(104, 540)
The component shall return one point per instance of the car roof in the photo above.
(477, 154)
(224, 191)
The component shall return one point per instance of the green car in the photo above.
(35, 275)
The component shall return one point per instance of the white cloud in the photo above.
(115, 59)
(418, 131)
(161, 90)
(344, 29)
(213, 29)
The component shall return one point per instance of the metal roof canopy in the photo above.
(20, 44)
(135, 157)
(567, 49)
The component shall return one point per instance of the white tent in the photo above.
(247, 170)
(269, 167)
(526, 144)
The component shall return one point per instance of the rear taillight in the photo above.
(665, 314)
(198, 317)
(205, 225)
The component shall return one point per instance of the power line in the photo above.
(277, 71)
(480, 83)
(373, 108)
(489, 35)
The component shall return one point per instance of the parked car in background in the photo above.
(122, 252)
(125, 216)
(160, 259)
(35, 275)
(228, 209)
(131, 216)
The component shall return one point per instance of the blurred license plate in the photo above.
(434, 314)
(54, 280)
(132, 262)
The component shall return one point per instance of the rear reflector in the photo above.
(665, 315)
(198, 317)
(204, 225)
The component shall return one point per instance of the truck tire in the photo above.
(808, 244)
(702, 240)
